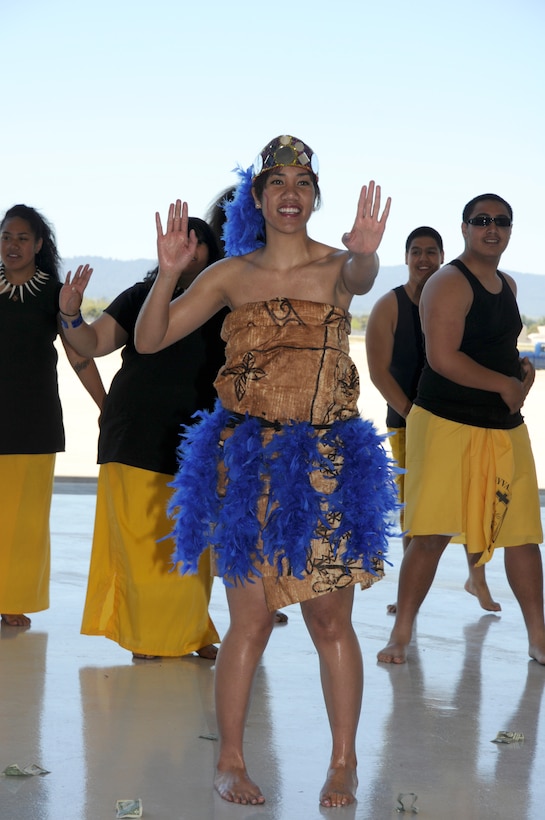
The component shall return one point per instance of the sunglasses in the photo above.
(485, 221)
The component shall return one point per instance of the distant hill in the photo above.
(111, 276)
(530, 291)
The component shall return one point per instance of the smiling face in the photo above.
(288, 197)
(487, 240)
(423, 258)
(18, 249)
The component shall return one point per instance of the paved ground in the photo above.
(107, 728)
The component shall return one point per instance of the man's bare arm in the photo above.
(379, 342)
(444, 305)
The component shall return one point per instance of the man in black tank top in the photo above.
(470, 470)
(395, 355)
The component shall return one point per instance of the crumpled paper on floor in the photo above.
(14, 770)
(407, 802)
(128, 808)
(508, 737)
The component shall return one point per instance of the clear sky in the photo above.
(111, 109)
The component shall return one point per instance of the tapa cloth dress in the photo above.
(284, 479)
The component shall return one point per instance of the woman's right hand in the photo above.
(71, 295)
(514, 393)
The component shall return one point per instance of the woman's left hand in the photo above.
(366, 234)
(71, 294)
(176, 246)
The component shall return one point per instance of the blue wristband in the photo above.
(76, 323)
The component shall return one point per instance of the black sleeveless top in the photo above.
(408, 352)
(492, 328)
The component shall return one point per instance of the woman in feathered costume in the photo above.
(290, 487)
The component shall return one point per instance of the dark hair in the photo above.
(424, 231)
(47, 258)
(494, 197)
(204, 234)
(259, 185)
(215, 215)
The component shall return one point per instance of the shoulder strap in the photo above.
(460, 265)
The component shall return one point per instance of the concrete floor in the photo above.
(108, 728)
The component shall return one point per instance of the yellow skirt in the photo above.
(134, 595)
(397, 441)
(475, 484)
(26, 487)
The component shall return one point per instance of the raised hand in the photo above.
(71, 293)
(369, 225)
(175, 246)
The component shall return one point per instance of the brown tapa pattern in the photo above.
(327, 569)
(288, 360)
(264, 378)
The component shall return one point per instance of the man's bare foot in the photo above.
(280, 617)
(16, 620)
(208, 652)
(339, 788)
(391, 609)
(482, 593)
(537, 652)
(235, 786)
(393, 653)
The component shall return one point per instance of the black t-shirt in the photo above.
(152, 395)
(30, 408)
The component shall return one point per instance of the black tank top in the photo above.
(492, 328)
(407, 353)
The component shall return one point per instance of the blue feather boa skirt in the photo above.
(251, 493)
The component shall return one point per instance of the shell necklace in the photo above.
(16, 292)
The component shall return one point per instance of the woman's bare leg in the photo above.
(239, 654)
(329, 622)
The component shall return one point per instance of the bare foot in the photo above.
(482, 593)
(136, 656)
(16, 620)
(280, 617)
(340, 787)
(393, 653)
(235, 786)
(208, 652)
(537, 652)
(391, 609)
